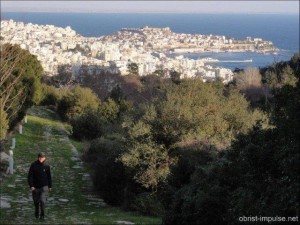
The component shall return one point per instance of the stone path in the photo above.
(71, 198)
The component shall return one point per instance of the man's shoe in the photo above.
(42, 215)
(36, 212)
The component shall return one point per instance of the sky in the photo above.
(183, 6)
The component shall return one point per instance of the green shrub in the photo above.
(109, 175)
(256, 176)
(148, 203)
(86, 126)
(75, 102)
(51, 95)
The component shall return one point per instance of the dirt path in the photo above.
(71, 200)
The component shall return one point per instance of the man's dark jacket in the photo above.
(39, 175)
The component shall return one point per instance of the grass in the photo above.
(45, 132)
(80, 146)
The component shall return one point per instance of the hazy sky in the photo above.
(153, 6)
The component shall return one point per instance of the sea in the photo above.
(281, 29)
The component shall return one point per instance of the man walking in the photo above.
(39, 180)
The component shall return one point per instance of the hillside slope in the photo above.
(71, 200)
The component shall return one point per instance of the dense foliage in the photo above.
(197, 111)
(259, 85)
(3, 124)
(192, 152)
(75, 101)
(133, 69)
(91, 123)
(20, 83)
(151, 136)
(109, 175)
(257, 175)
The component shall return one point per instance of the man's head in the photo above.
(41, 157)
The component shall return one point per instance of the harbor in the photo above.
(232, 61)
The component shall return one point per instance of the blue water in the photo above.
(281, 29)
(258, 59)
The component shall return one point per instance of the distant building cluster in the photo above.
(58, 48)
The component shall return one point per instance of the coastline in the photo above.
(196, 51)
(222, 58)
(144, 46)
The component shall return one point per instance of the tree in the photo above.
(256, 175)
(108, 112)
(87, 126)
(3, 124)
(197, 111)
(282, 73)
(295, 63)
(149, 161)
(159, 72)
(20, 81)
(133, 69)
(76, 101)
(250, 77)
(109, 174)
(249, 81)
(192, 112)
(116, 94)
(175, 76)
(52, 95)
(288, 77)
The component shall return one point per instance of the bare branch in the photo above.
(12, 100)
(17, 109)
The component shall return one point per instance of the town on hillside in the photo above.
(149, 48)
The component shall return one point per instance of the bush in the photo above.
(197, 111)
(65, 106)
(74, 103)
(86, 126)
(115, 184)
(109, 175)
(189, 195)
(51, 96)
(148, 203)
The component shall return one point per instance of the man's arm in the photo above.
(49, 178)
(30, 177)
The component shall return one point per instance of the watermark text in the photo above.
(268, 219)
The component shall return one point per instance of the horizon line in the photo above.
(148, 12)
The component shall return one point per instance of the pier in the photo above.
(233, 61)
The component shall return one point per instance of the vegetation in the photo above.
(76, 101)
(45, 131)
(52, 95)
(256, 175)
(109, 175)
(202, 154)
(188, 151)
(175, 76)
(133, 69)
(20, 83)
(3, 124)
(249, 82)
(143, 145)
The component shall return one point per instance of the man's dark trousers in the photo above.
(39, 196)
